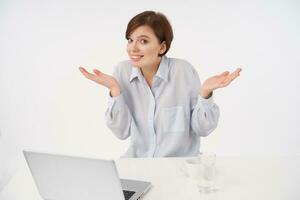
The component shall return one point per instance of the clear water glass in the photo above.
(207, 172)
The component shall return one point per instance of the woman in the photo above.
(156, 100)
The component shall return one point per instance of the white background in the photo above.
(47, 105)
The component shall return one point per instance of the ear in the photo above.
(163, 47)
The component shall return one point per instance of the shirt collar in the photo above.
(135, 73)
(163, 69)
(162, 72)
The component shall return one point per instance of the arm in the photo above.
(204, 116)
(118, 117)
(205, 113)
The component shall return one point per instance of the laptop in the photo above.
(62, 177)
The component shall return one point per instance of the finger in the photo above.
(235, 74)
(87, 74)
(238, 70)
(229, 78)
(224, 73)
(97, 72)
(82, 70)
(226, 82)
(223, 85)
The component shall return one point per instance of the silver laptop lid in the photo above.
(59, 177)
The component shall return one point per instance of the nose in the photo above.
(134, 47)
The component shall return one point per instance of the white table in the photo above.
(238, 178)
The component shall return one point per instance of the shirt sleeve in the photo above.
(204, 113)
(117, 115)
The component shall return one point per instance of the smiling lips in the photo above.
(136, 58)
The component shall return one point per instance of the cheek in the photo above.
(151, 50)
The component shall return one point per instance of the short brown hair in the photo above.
(158, 22)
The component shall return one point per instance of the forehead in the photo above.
(143, 31)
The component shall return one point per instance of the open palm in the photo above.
(220, 81)
(103, 79)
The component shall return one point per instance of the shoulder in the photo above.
(123, 69)
(123, 65)
(178, 65)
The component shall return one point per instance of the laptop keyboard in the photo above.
(128, 194)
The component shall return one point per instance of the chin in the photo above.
(135, 64)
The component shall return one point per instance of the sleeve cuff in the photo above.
(205, 102)
(116, 102)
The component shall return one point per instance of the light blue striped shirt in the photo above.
(165, 120)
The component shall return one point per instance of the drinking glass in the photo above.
(207, 172)
(201, 170)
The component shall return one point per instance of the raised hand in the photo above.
(103, 79)
(218, 81)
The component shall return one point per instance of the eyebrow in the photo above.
(142, 36)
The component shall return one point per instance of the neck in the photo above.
(149, 72)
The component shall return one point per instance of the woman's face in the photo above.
(143, 47)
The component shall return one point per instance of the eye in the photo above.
(143, 41)
(129, 40)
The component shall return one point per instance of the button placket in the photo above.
(151, 110)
